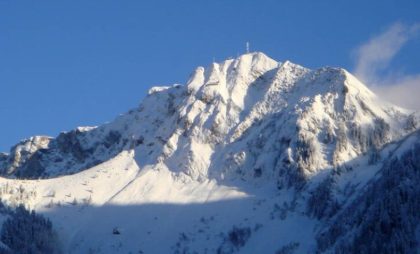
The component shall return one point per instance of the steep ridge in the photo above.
(264, 148)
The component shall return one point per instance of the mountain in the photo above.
(251, 155)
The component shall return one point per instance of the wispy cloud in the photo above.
(373, 61)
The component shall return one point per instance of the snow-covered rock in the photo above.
(248, 117)
(247, 150)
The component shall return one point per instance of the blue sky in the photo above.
(74, 63)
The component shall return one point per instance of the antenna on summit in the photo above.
(247, 47)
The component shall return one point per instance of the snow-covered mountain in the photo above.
(251, 155)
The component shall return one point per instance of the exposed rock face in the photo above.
(69, 153)
(22, 152)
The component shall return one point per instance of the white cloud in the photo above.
(374, 57)
(404, 92)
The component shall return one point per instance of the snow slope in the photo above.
(152, 206)
(250, 156)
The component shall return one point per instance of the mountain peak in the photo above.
(250, 147)
(227, 106)
(257, 58)
(246, 65)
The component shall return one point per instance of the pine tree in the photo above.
(25, 232)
